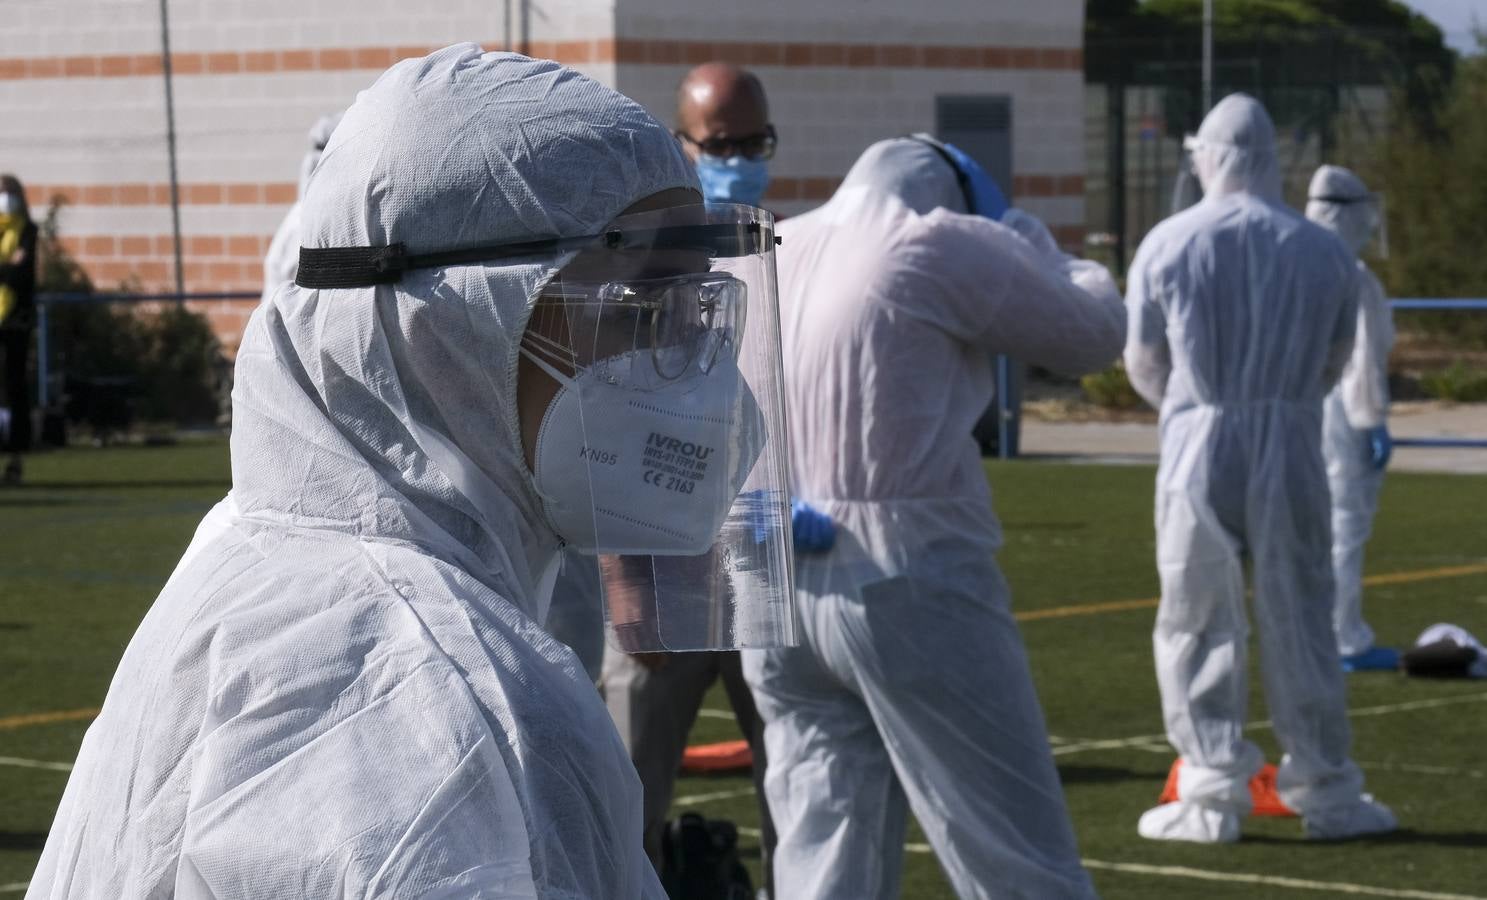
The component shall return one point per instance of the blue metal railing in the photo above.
(61, 298)
(1475, 304)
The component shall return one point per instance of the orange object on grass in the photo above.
(1261, 791)
(729, 756)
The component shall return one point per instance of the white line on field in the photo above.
(1362, 711)
(716, 714)
(1280, 881)
(1275, 881)
(695, 799)
(1338, 887)
(1418, 769)
(34, 764)
(15, 887)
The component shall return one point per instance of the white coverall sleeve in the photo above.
(1365, 381)
(1344, 334)
(1004, 294)
(1148, 357)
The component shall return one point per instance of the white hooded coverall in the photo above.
(1241, 317)
(911, 681)
(1360, 402)
(343, 690)
(281, 262)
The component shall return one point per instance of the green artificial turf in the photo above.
(87, 543)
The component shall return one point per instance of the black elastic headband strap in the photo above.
(353, 267)
(1332, 198)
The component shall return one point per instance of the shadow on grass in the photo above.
(22, 840)
(29, 501)
(15, 626)
(1407, 836)
(151, 484)
(1105, 775)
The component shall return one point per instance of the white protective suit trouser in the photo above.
(1354, 484)
(912, 688)
(1225, 488)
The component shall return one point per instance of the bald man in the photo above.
(723, 122)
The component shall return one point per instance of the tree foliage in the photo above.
(167, 355)
(1435, 186)
(1295, 52)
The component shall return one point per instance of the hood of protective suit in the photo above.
(1236, 150)
(319, 136)
(910, 170)
(390, 412)
(1339, 201)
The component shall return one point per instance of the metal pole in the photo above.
(170, 142)
(1207, 56)
(1115, 129)
(43, 354)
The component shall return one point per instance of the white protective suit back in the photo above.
(342, 690)
(281, 262)
(929, 294)
(1241, 316)
(1340, 202)
(1195, 280)
(911, 681)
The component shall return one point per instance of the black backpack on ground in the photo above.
(699, 860)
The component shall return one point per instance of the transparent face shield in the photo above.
(664, 452)
(1186, 189)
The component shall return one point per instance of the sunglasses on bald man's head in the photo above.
(753, 146)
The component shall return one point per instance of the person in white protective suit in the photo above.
(1355, 431)
(911, 688)
(344, 689)
(281, 262)
(1241, 317)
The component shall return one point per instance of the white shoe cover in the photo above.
(1189, 822)
(1366, 816)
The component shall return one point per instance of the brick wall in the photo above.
(841, 76)
(85, 116)
(84, 101)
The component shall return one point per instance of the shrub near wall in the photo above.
(165, 358)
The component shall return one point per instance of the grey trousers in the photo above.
(654, 709)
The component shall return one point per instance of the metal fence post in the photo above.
(43, 358)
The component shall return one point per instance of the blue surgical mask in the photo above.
(735, 179)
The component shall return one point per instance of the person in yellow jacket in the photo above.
(17, 316)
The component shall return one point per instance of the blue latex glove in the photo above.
(989, 200)
(1380, 446)
(814, 531)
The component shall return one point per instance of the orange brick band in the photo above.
(602, 50)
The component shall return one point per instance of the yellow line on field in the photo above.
(64, 715)
(1057, 612)
(1086, 609)
(1093, 609)
(1426, 574)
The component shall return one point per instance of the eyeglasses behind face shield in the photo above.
(647, 333)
